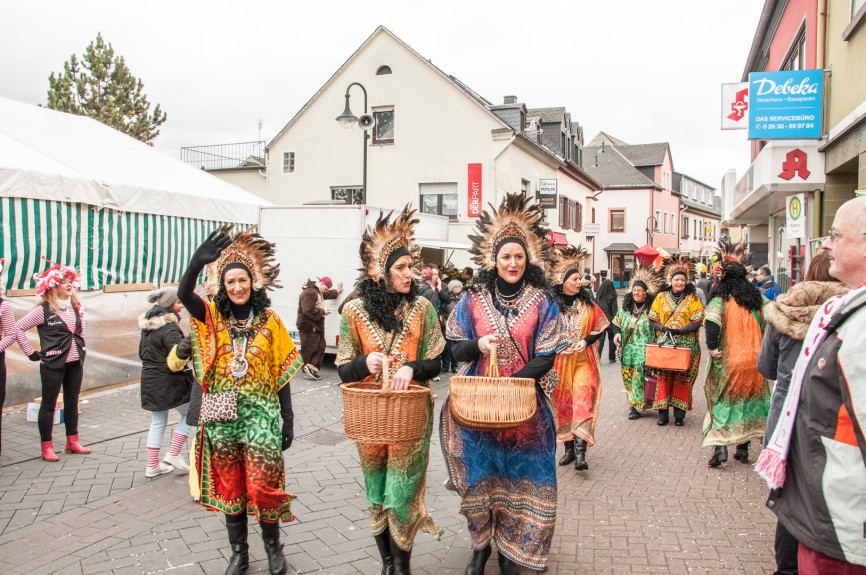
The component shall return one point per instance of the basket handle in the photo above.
(492, 363)
(386, 375)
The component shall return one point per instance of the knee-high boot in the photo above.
(580, 463)
(273, 547)
(383, 542)
(236, 525)
(401, 559)
(568, 457)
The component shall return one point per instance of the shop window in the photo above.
(616, 222)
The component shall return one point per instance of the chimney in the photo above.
(510, 100)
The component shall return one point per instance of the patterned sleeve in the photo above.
(548, 336)
(31, 320)
(655, 312)
(696, 310)
(621, 319)
(7, 326)
(599, 320)
(459, 325)
(350, 344)
(432, 340)
(285, 358)
(715, 311)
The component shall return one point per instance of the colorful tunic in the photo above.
(636, 333)
(240, 463)
(577, 397)
(395, 475)
(675, 387)
(738, 396)
(507, 479)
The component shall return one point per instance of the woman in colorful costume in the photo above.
(738, 396)
(633, 333)
(677, 312)
(390, 319)
(240, 346)
(577, 397)
(507, 479)
(59, 319)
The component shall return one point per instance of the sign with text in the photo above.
(474, 191)
(735, 106)
(546, 194)
(591, 229)
(795, 224)
(786, 105)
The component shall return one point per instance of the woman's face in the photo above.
(638, 294)
(511, 262)
(238, 286)
(400, 275)
(678, 283)
(64, 289)
(572, 285)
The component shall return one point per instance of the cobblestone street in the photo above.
(648, 504)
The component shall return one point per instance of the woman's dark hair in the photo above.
(259, 301)
(819, 269)
(533, 275)
(584, 295)
(468, 271)
(734, 284)
(380, 304)
(628, 302)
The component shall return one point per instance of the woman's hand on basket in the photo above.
(617, 338)
(485, 343)
(401, 380)
(374, 362)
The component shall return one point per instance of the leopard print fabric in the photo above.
(219, 406)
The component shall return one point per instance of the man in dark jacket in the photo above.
(767, 284)
(311, 322)
(606, 299)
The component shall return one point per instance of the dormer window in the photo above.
(383, 70)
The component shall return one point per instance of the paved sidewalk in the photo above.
(649, 503)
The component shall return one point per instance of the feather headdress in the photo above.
(383, 238)
(565, 260)
(739, 253)
(251, 250)
(515, 219)
(53, 276)
(647, 275)
(679, 265)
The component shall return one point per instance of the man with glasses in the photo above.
(815, 460)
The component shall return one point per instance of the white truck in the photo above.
(323, 240)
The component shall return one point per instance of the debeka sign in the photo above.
(786, 105)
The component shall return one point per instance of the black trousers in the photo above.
(313, 347)
(786, 552)
(611, 352)
(69, 378)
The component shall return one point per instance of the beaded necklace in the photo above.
(241, 332)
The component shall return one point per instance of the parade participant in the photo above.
(244, 358)
(814, 460)
(738, 396)
(164, 352)
(507, 479)
(311, 322)
(607, 300)
(455, 289)
(633, 333)
(788, 318)
(59, 320)
(577, 397)
(7, 338)
(677, 312)
(391, 319)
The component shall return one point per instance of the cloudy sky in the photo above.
(641, 70)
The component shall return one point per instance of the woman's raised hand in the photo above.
(212, 247)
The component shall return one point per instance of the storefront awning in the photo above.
(557, 239)
(621, 248)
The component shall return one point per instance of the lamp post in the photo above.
(347, 119)
(649, 230)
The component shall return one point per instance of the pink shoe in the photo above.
(48, 451)
(72, 445)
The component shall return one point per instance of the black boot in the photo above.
(568, 457)
(236, 525)
(401, 559)
(580, 463)
(506, 565)
(742, 453)
(679, 416)
(479, 560)
(663, 417)
(633, 413)
(273, 548)
(720, 455)
(383, 542)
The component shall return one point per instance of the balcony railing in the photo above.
(225, 156)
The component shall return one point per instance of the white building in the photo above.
(700, 213)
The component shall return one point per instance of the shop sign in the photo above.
(474, 191)
(735, 106)
(786, 105)
(546, 194)
(795, 225)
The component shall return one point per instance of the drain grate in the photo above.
(322, 436)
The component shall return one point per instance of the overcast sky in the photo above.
(641, 70)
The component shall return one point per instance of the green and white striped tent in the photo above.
(75, 191)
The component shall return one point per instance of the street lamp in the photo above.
(649, 230)
(347, 119)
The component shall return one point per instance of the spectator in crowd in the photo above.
(455, 289)
(59, 319)
(767, 283)
(466, 277)
(606, 299)
(7, 338)
(431, 287)
(311, 322)
(814, 460)
(703, 282)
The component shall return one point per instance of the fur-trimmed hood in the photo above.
(792, 312)
(155, 318)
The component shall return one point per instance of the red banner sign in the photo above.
(474, 191)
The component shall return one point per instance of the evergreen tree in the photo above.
(101, 86)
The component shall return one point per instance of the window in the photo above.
(383, 70)
(288, 162)
(858, 14)
(684, 228)
(352, 195)
(578, 218)
(666, 223)
(524, 187)
(694, 190)
(855, 7)
(617, 221)
(673, 224)
(564, 212)
(696, 231)
(439, 199)
(658, 221)
(796, 57)
(383, 132)
(593, 215)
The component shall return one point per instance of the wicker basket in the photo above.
(373, 413)
(491, 403)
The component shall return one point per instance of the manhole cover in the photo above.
(322, 436)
